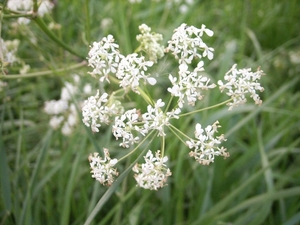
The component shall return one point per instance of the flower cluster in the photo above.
(186, 42)
(187, 45)
(103, 169)
(98, 109)
(131, 70)
(150, 43)
(132, 125)
(239, 83)
(189, 85)
(63, 111)
(154, 173)
(8, 55)
(104, 58)
(25, 6)
(133, 121)
(206, 147)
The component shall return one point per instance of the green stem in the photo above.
(145, 96)
(172, 128)
(52, 36)
(163, 146)
(43, 73)
(203, 109)
(35, 6)
(139, 145)
(88, 22)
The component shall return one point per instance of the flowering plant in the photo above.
(186, 87)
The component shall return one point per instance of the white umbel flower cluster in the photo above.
(132, 125)
(189, 85)
(152, 174)
(124, 126)
(104, 58)
(186, 42)
(102, 169)
(97, 110)
(26, 6)
(131, 70)
(63, 111)
(150, 43)
(240, 83)
(206, 147)
(187, 45)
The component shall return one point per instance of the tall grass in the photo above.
(45, 176)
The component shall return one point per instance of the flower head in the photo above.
(104, 57)
(102, 169)
(189, 85)
(152, 174)
(24, 6)
(155, 118)
(241, 83)
(97, 110)
(124, 126)
(150, 43)
(206, 147)
(131, 70)
(186, 42)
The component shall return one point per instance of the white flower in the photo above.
(56, 121)
(96, 111)
(102, 169)
(153, 173)
(25, 6)
(150, 43)
(9, 50)
(55, 107)
(206, 147)
(2, 85)
(240, 83)
(189, 85)
(104, 58)
(68, 91)
(87, 89)
(124, 125)
(45, 7)
(131, 70)
(186, 42)
(155, 119)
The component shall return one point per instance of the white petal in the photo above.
(151, 80)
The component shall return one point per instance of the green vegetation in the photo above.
(45, 176)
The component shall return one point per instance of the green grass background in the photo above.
(45, 176)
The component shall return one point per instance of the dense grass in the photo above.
(45, 176)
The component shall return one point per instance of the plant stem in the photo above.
(125, 156)
(203, 109)
(43, 73)
(52, 36)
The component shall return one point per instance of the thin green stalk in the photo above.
(35, 6)
(54, 38)
(163, 146)
(43, 73)
(206, 108)
(175, 131)
(124, 26)
(145, 96)
(131, 152)
(40, 159)
(87, 21)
